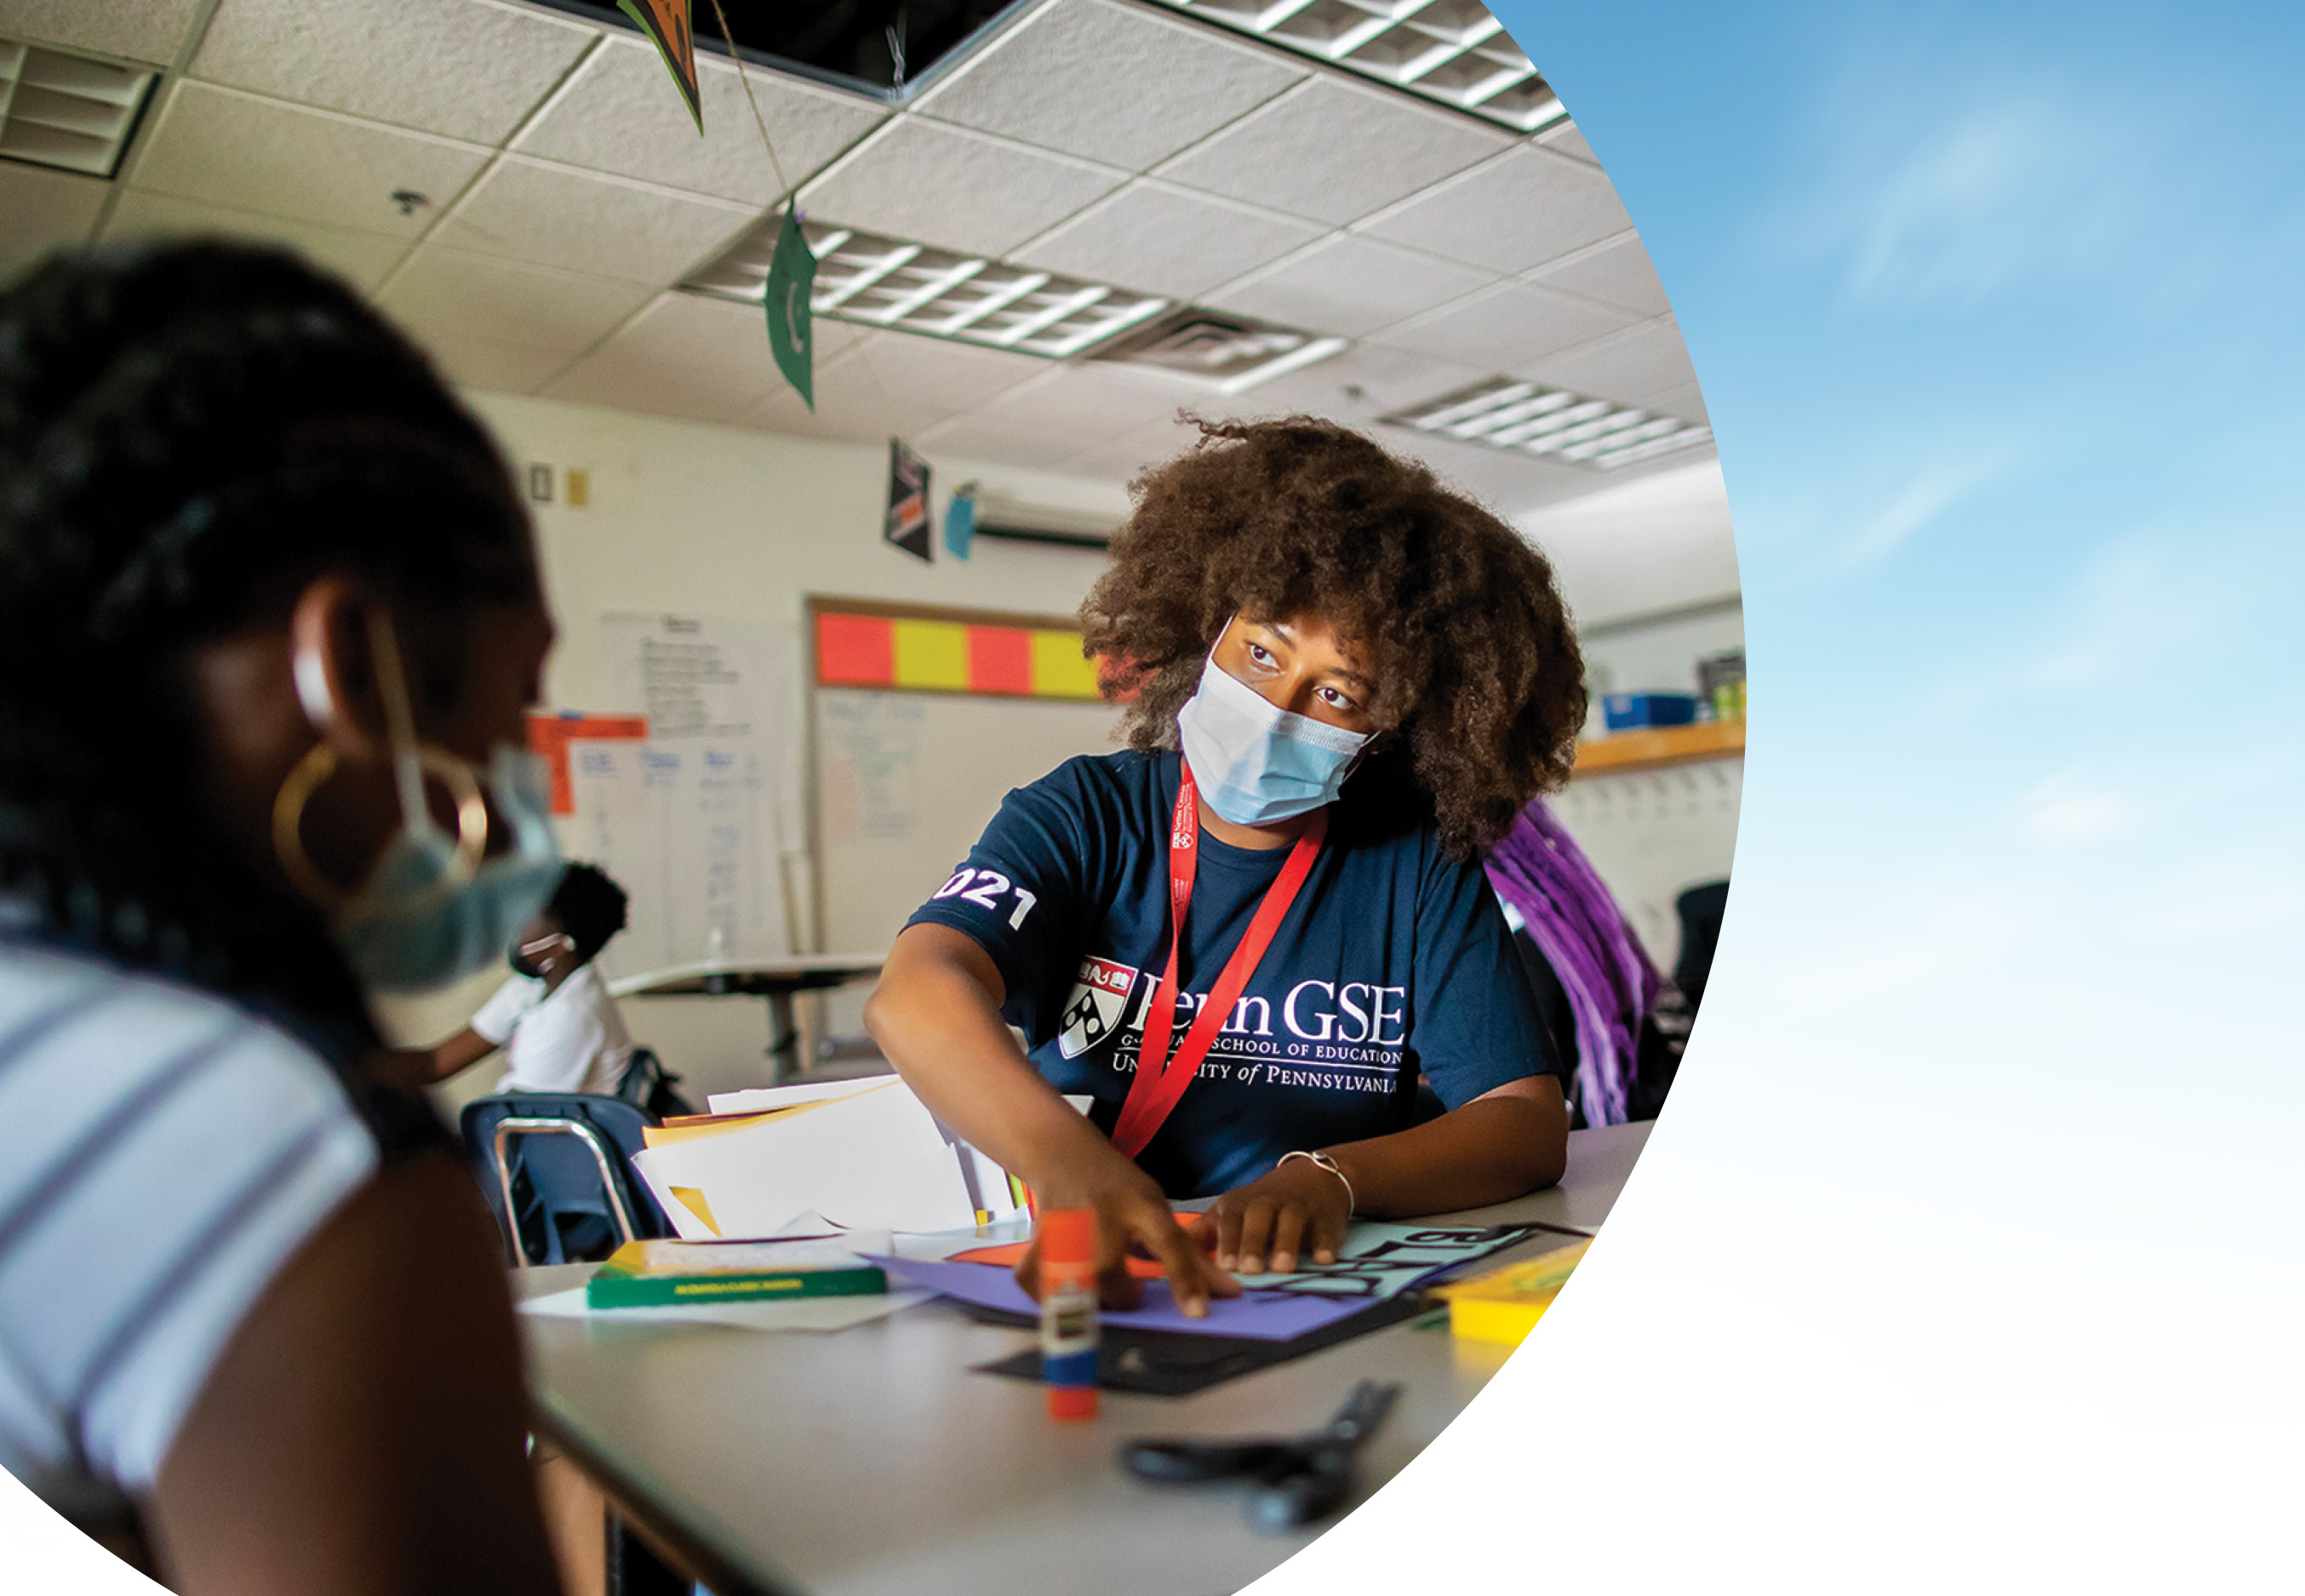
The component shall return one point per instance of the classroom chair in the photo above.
(555, 1167)
(1700, 909)
(647, 1085)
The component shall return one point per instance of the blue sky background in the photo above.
(1974, 1211)
(1998, 310)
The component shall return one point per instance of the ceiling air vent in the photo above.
(1452, 51)
(1528, 418)
(874, 280)
(59, 109)
(1227, 353)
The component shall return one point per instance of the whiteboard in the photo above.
(905, 783)
(695, 822)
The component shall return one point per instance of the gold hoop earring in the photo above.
(312, 772)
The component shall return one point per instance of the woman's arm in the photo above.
(936, 1014)
(363, 1433)
(1507, 1142)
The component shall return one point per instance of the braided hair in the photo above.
(189, 434)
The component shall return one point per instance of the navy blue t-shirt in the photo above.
(1392, 960)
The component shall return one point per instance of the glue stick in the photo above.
(1068, 1311)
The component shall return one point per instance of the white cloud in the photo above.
(1929, 494)
(1934, 178)
(2068, 815)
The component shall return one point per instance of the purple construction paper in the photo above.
(1265, 1316)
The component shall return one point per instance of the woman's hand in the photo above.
(1298, 1209)
(1130, 1210)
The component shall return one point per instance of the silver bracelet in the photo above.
(1325, 1162)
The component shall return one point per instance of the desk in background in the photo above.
(872, 1463)
(775, 980)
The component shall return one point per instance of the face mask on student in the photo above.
(432, 909)
(532, 958)
(1256, 762)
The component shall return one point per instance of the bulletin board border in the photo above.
(946, 650)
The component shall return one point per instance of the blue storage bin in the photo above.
(1633, 711)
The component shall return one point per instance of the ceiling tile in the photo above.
(1507, 483)
(701, 358)
(448, 298)
(463, 68)
(1113, 84)
(942, 185)
(857, 400)
(621, 115)
(361, 259)
(1531, 207)
(1508, 326)
(1160, 240)
(1636, 367)
(1564, 137)
(231, 148)
(605, 226)
(152, 30)
(1617, 273)
(919, 372)
(1685, 402)
(1351, 286)
(496, 365)
(1387, 379)
(44, 210)
(1334, 151)
(1036, 448)
(1116, 460)
(1091, 400)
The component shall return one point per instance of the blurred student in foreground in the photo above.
(269, 621)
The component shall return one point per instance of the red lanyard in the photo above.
(1161, 1080)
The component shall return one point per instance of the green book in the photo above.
(657, 1274)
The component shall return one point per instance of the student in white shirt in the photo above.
(558, 1027)
(269, 625)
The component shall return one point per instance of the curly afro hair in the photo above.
(1480, 688)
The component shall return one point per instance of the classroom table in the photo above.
(872, 1462)
(775, 980)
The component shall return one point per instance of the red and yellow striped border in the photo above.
(923, 654)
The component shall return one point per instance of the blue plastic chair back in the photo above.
(556, 1169)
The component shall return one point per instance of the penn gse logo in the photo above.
(1100, 998)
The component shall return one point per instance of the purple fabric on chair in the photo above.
(1539, 869)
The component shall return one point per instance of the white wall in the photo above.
(1650, 572)
(1659, 655)
(1663, 542)
(700, 519)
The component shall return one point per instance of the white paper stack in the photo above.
(870, 1157)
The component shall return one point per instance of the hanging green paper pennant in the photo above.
(665, 23)
(792, 278)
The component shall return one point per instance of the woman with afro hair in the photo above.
(1342, 679)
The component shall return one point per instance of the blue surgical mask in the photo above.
(1256, 762)
(420, 922)
(433, 908)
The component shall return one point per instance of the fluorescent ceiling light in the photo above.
(1452, 51)
(874, 280)
(72, 112)
(1528, 418)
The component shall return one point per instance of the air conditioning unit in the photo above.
(1019, 521)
